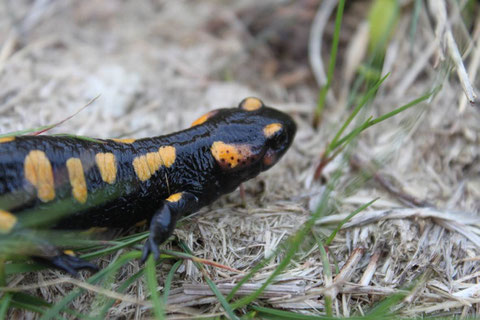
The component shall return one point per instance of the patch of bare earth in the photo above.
(158, 65)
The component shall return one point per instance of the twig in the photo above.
(315, 44)
(444, 35)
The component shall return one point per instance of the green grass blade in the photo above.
(354, 113)
(113, 267)
(103, 313)
(152, 284)
(293, 243)
(4, 305)
(333, 57)
(268, 313)
(168, 280)
(371, 122)
(327, 274)
(226, 306)
(350, 216)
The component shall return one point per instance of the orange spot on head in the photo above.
(126, 140)
(38, 171)
(229, 155)
(107, 165)
(175, 197)
(6, 139)
(251, 104)
(7, 221)
(77, 179)
(168, 155)
(271, 129)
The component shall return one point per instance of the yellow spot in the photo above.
(6, 139)
(153, 161)
(127, 140)
(77, 179)
(251, 104)
(175, 197)
(271, 129)
(38, 171)
(140, 165)
(230, 155)
(204, 118)
(168, 155)
(7, 221)
(69, 253)
(107, 165)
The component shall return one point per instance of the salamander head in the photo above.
(248, 139)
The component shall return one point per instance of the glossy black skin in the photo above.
(195, 172)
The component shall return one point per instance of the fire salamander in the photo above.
(119, 182)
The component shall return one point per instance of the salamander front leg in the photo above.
(164, 220)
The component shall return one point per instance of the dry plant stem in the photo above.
(444, 34)
(404, 197)
(370, 270)
(315, 44)
(474, 63)
(7, 49)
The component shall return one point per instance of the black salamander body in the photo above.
(117, 183)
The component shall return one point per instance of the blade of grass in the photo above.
(226, 306)
(293, 243)
(350, 216)
(331, 66)
(354, 113)
(279, 314)
(152, 284)
(103, 313)
(371, 122)
(168, 281)
(327, 274)
(113, 267)
(4, 305)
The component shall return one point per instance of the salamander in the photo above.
(119, 182)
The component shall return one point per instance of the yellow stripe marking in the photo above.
(175, 197)
(38, 171)
(153, 161)
(107, 166)
(168, 155)
(140, 165)
(148, 164)
(125, 140)
(6, 139)
(77, 179)
(251, 104)
(7, 221)
(271, 129)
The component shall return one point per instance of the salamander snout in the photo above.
(278, 130)
(279, 136)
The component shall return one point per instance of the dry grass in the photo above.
(158, 65)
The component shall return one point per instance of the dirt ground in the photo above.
(158, 65)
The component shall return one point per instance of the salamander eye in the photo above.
(251, 104)
(278, 140)
(276, 135)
